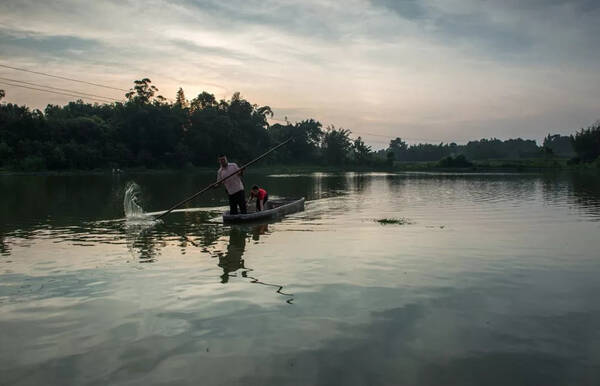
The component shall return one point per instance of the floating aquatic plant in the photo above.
(395, 221)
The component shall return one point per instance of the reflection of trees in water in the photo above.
(395, 182)
(311, 186)
(358, 181)
(464, 186)
(146, 238)
(318, 185)
(62, 198)
(580, 189)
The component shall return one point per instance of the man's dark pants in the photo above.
(237, 199)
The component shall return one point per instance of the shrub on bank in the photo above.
(586, 143)
(460, 161)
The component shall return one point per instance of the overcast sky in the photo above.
(430, 70)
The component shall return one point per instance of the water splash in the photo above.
(138, 224)
(131, 202)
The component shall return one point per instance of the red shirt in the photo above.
(261, 194)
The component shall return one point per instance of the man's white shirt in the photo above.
(233, 184)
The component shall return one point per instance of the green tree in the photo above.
(6, 154)
(305, 146)
(586, 143)
(363, 154)
(180, 100)
(203, 100)
(2, 94)
(460, 161)
(143, 92)
(399, 148)
(336, 145)
(389, 158)
(560, 145)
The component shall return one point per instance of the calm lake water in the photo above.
(493, 279)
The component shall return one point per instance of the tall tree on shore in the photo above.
(586, 143)
(2, 94)
(203, 100)
(362, 152)
(559, 145)
(336, 145)
(398, 147)
(180, 99)
(143, 92)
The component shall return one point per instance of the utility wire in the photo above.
(55, 92)
(58, 88)
(62, 77)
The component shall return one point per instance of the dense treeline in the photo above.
(554, 145)
(148, 131)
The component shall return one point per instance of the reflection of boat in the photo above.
(275, 209)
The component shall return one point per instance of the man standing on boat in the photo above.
(233, 185)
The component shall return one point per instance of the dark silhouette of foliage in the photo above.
(143, 92)
(389, 158)
(559, 145)
(586, 143)
(336, 145)
(148, 131)
(483, 149)
(180, 100)
(460, 161)
(305, 146)
(362, 154)
(398, 148)
(144, 131)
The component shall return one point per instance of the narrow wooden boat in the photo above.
(275, 209)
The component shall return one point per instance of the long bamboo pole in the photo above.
(216, 183)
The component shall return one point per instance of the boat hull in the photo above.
(275, 210)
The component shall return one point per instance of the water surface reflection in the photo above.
(493, 281)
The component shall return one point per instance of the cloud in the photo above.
(303, 18)
(504, 31)
(444, 69)
(26, 43)
(410, 9)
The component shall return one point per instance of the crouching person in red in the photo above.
(261, 196)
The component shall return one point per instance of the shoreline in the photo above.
(492, 166)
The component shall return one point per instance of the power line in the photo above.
(62, 77)
(55, 92)
(374, 135)
(58, 88)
